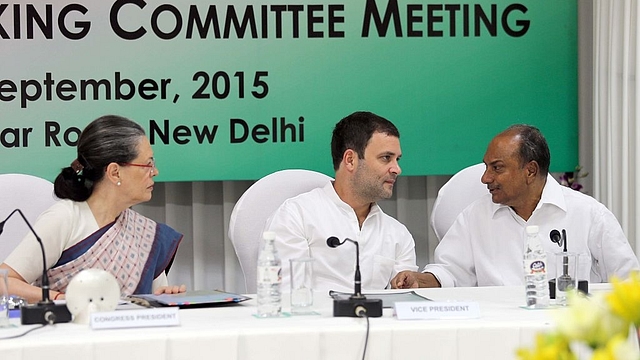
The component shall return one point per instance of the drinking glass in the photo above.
(566, 275)
(301, 285)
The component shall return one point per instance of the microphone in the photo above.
(561, 240)
(555, 237)
(565, 260)
(46, 311)
(357, 305)
(564, 281)
(334, 242)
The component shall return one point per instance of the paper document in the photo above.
(190, 299)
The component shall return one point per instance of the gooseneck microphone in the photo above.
(334, 242)
(564, 281)
(357, 305)
(555, 237)
(565, 259)
(561, 240)
(45, 311)
(45, 279)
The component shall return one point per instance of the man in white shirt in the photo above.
(365, 149)
(485, 245)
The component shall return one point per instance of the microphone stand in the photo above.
(564, 280)
(45, 311)
(357, 305)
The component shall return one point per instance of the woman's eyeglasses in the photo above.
(151, 166)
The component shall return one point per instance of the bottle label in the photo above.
(532, 267)
(269, 274)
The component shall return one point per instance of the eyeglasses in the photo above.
(151, 166)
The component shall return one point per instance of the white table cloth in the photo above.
(233, 332)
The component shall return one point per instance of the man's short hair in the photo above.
(355, 131)
(533, 146)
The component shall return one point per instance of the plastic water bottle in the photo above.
(269, 278)
(535, 271)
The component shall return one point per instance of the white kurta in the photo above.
(485, 245)
(302, 225)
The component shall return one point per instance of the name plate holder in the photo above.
(434, 310)
(119, 319)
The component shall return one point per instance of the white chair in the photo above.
(256, 205)
(32, 195)
(455, 195)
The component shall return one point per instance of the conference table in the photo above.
(233, 332)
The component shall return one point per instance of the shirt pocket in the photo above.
(383, 268)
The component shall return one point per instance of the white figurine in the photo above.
(92, 290)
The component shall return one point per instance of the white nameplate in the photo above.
(135, 318)
(437, 310)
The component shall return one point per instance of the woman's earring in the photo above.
(118, 183)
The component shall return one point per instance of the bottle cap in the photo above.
(532, 229)
(269, 235)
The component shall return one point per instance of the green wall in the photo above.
(450, 75)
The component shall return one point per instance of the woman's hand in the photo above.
(170, 289)
(58, 296)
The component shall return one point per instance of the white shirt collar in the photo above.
(551, 195)
(333, 195)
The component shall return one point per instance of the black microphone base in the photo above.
(44, 313)
(352, 307)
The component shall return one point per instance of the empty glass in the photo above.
(301, 285)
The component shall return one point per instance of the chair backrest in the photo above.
(32, 195)
(455, 195)
(255, 206)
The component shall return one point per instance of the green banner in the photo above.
(238, 89)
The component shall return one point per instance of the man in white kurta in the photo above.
(365, 149)
(485, 245)
(304, 223)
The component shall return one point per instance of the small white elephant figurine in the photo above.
(91, 290)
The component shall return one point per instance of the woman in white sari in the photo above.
(92, 226)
